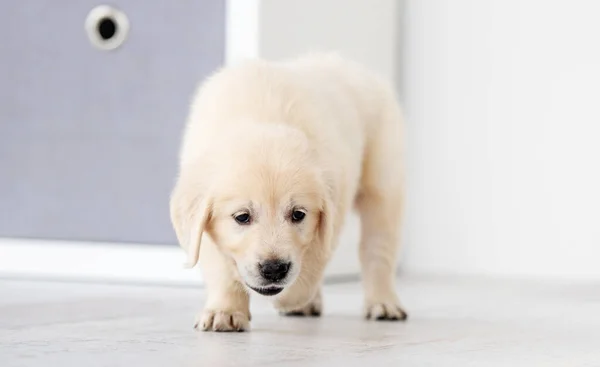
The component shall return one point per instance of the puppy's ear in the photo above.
(190, 213)
(327, 224)
(327, 219)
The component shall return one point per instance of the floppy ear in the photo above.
(327, 224)
(189, 215)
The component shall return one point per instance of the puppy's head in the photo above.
(265, 203)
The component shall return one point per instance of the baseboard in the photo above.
(91, 261)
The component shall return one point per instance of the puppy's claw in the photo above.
(222, 321)
(308, 311)
(385, 312)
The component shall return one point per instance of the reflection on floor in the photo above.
(452, 322)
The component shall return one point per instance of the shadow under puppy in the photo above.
(273, 156)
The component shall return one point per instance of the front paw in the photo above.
(222, 320)
(384, 310)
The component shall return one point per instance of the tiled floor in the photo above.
(453, 322)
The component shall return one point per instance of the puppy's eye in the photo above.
(243, 218)
(298, 216)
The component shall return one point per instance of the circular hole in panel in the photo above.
(106, 27)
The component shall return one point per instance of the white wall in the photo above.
(275, 29)
(503, 99)
(363, 30)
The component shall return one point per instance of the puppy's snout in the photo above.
(274, 270)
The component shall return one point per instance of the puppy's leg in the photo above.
(227, 306)
(380, 206)
(378, 253)
(313, 308)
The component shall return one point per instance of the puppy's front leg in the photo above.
(227, 306)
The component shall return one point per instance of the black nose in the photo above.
(274, 270)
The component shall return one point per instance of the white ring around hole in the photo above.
(91, 27)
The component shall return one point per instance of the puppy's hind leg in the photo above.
(314, 308)
(379, 203)
(378, 254)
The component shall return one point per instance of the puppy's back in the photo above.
(328, 97)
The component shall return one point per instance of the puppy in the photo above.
(273, 156)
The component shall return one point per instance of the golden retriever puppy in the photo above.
(273, 156)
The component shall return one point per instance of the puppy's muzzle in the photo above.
(273, 274)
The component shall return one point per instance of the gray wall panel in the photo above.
(89, 138)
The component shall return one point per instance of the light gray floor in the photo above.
(453, 322)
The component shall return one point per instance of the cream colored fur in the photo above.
(319, 133)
